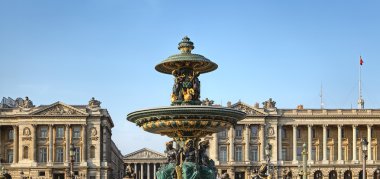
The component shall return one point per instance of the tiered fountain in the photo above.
(187, 120)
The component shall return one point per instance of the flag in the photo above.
(361, 60)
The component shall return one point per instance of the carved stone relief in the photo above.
(59, 110)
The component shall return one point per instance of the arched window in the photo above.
(25, 154)
(318, 174)
(333, 174)
(92, 152)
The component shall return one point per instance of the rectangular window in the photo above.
(254, 130)
(254, 153)
(41, 174)
(59, 133)
(314, 134)
(298, 133)
(328, 133)
(238, 154)
(59, 154)
(77, 154)
(10, 155)
(223, 154)
(284, 152)
(76, 132)
(238, 132)
(357, 153)
(92, 177)
(299, 152)
(284, 133)
(313, 153)
(43, 132)
(343, 133)
(42, 155)
(10, 134)
(328, 152)
(344, 153)
(357, 133)
(222, 134)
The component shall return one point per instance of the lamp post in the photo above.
(268, 151)
(364, 150)
(303, 170)
(72, 154)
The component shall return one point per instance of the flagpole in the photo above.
(360, 101)
(360, 80)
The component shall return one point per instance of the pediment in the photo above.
(144, 154)
(59, 109)
(248, 109)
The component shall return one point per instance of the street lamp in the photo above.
(364, 150)
(303, 170)
(72, 154)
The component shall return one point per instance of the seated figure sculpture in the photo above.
(197, 164)
(167, 171)
(188, 162)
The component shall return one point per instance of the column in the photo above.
(340, 144)
(142, 171)
(50, 143)
(67, 140)
(369, 138)
(148, 168)
(324, 155)
(154, 171)
(54, 137)
(295, 144)
(216, 146)
(262, 142)
(232, 146)
(15, 144)
(309, 141)
(35, 143)
(279, 140)
(84, 143)
(354, 149)
(246, 141)
(135, 171)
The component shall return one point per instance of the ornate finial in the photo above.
(93, 103)
(186, 45)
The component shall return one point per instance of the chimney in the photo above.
(229, 104)
(257, 105)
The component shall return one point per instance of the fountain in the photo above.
(187, 120)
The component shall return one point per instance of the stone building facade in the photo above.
(35, 141)
(332, 136)
(144, 163)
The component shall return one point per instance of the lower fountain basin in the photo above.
(189, 121)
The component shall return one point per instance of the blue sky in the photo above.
(70, 51)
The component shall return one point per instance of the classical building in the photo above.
(332, 137)
(35, 141)
(144, 163)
